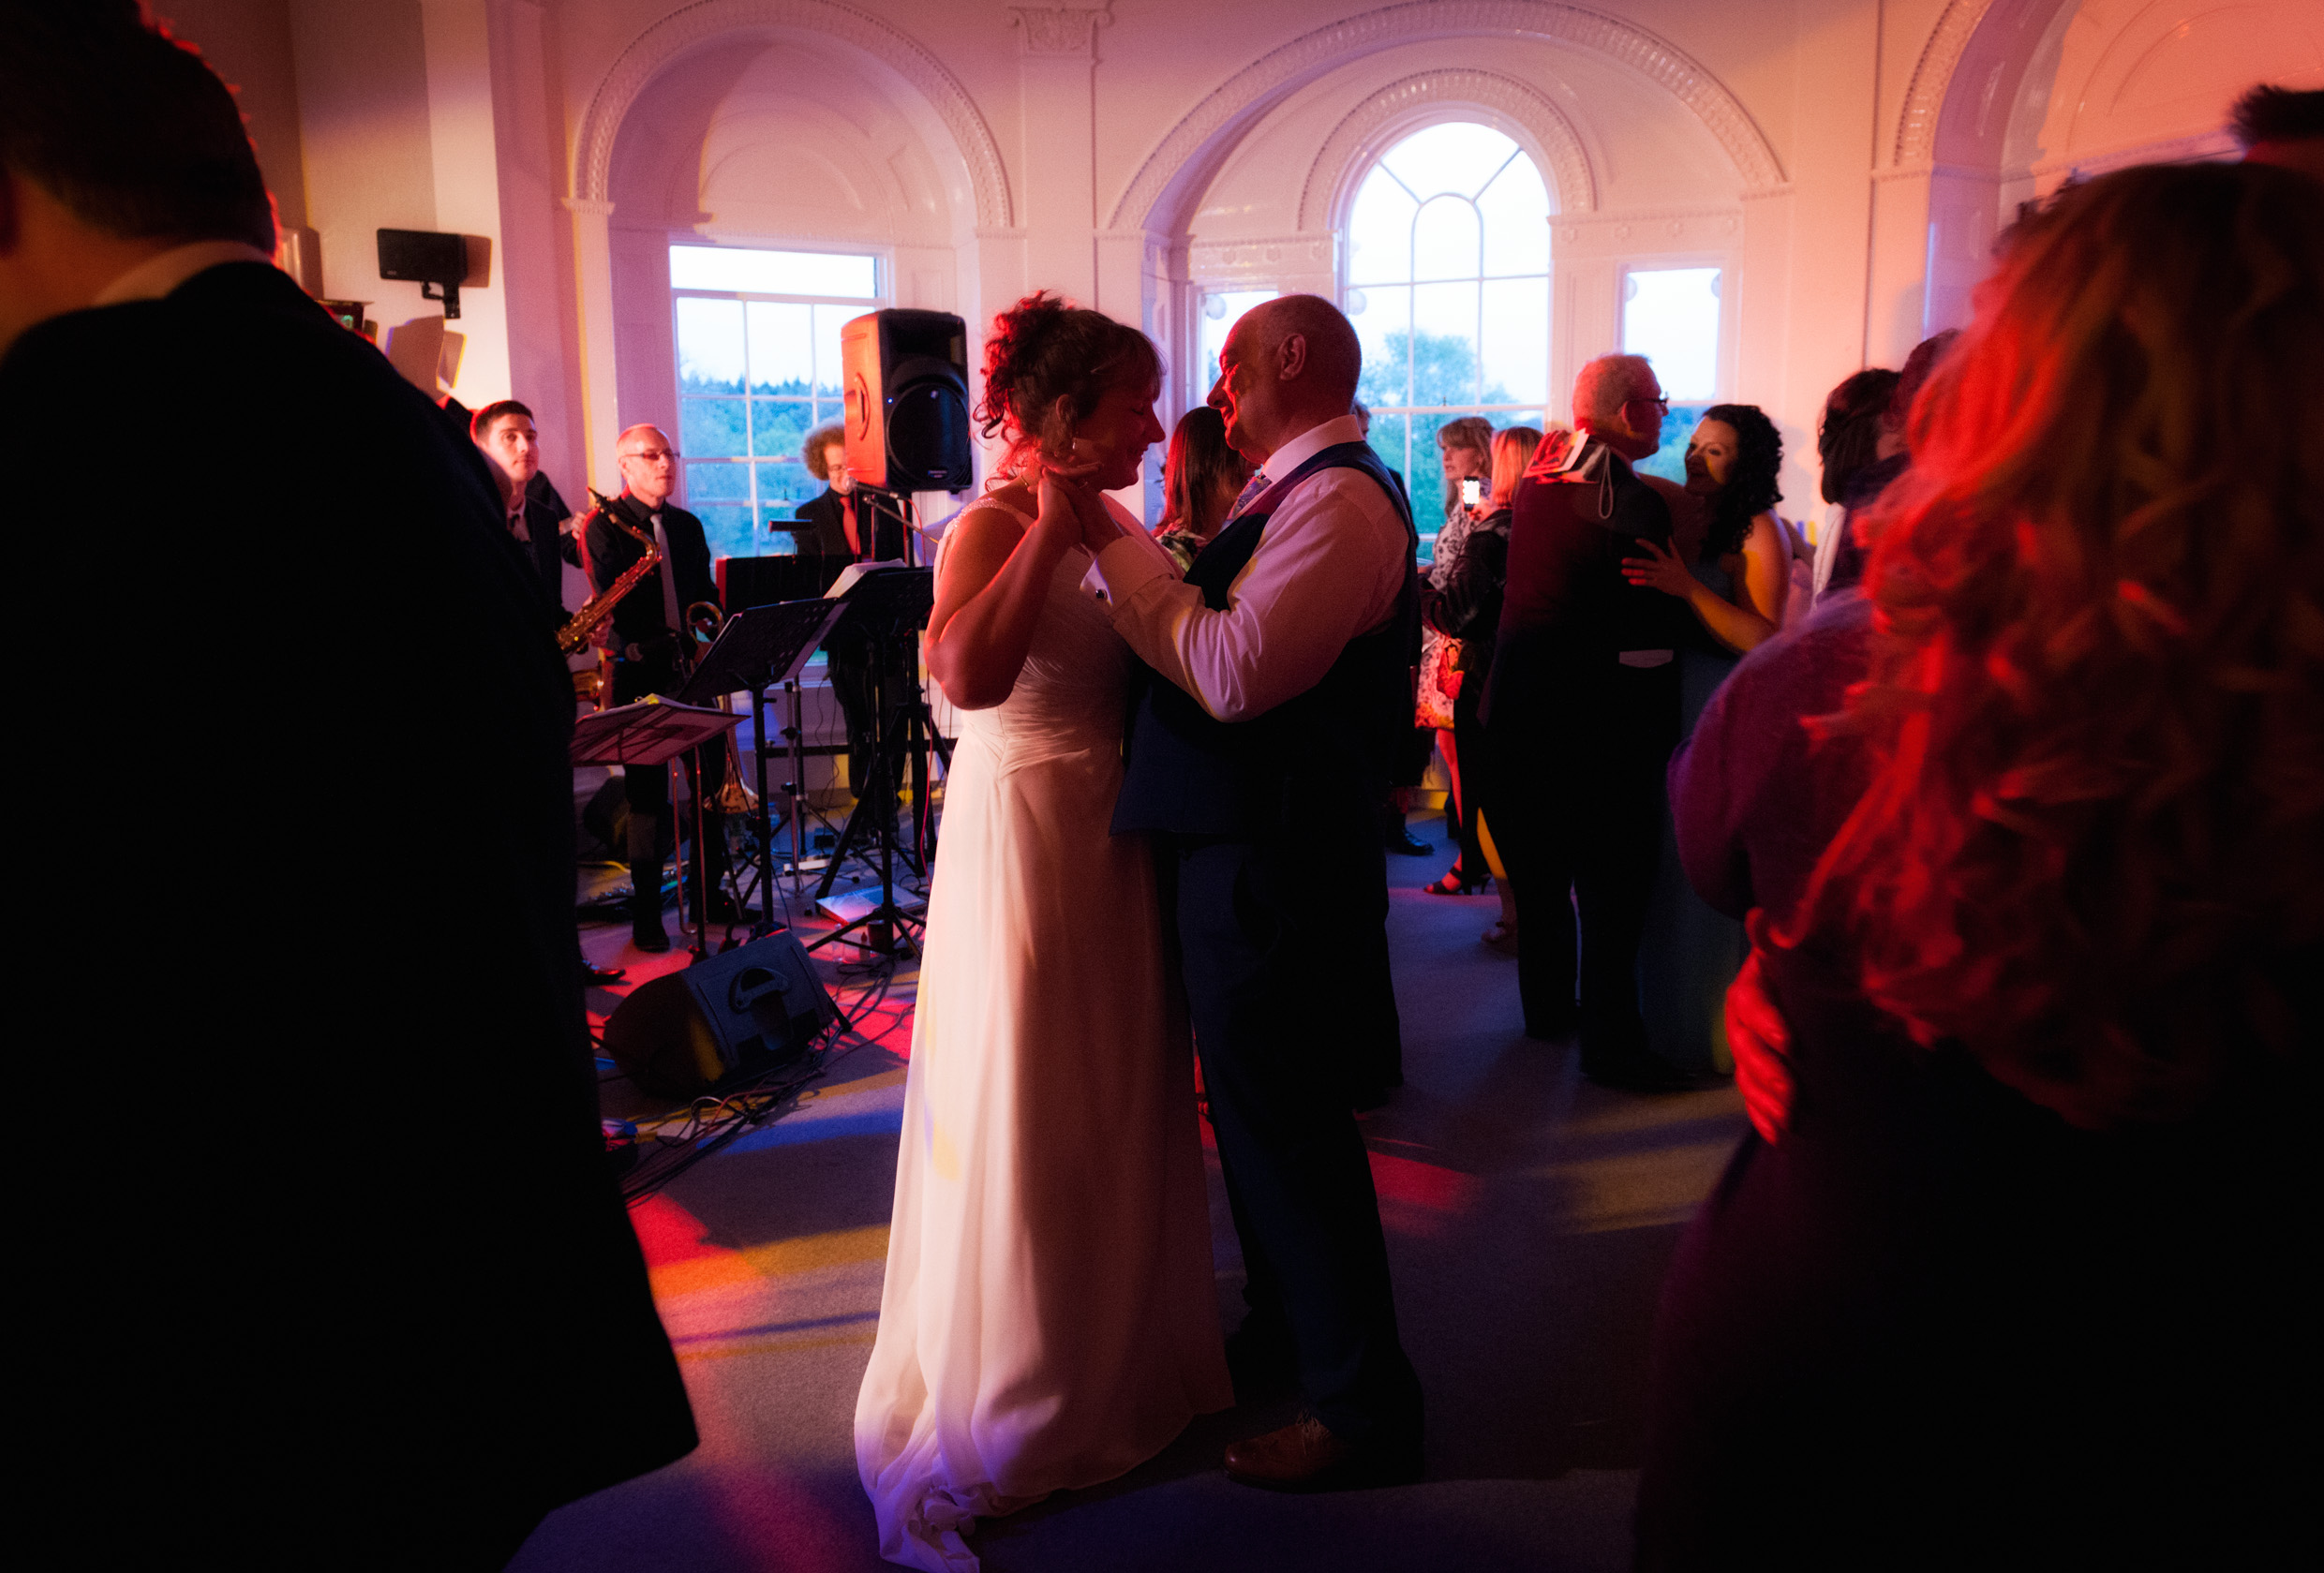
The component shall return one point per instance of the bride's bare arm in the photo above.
(995, 579)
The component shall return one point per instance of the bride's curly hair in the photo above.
(2092, 850)
(1045, 349)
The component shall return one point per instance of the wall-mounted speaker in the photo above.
(727, 1017)
(906, 381)
(435, 261)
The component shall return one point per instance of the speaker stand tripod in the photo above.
(903, 731)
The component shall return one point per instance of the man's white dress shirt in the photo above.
(1328, 568)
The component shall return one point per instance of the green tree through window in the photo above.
(1447, 283)
(758, 368)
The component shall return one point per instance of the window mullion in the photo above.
(1476, 389)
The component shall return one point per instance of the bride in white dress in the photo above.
(1049, 1318)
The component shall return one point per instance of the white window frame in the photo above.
(883, 281)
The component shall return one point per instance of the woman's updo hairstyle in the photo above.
(1045, 349)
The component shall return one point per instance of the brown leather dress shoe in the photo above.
(1305, 1456)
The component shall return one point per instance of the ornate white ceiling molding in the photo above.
(1266, 80)
(1932, 75)
(1644, 231)
(1568, 171)
(1057, 29)
(1300, 253)
(702, 21)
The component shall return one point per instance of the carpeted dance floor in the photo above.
(1530, 1218)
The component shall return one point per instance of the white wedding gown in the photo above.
(1049, 1318)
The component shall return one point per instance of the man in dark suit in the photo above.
(832, 509)
(649, 627)
(1579, 714)
(306, 1321)
(848, 653)
(1275, 694)
(505, 434)
(537, 521)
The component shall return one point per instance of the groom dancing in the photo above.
(1278, 694)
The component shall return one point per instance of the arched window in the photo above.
(1448, 285)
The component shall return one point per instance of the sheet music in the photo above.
(853, 574)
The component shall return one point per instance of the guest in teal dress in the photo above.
(1730, 562)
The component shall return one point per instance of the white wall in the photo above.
(1847, 161)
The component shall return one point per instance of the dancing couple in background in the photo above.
(1048, 1317)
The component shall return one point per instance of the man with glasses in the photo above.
(648, 627)
(1580, 716)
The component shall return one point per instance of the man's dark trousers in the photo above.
(1274, 942)
(647, 789)
(1575, 803)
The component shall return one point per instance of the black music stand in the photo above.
(887, 606)
(653, 732)
(755, 650)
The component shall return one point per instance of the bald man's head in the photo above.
(649, 464)
(1333, 360)
(1289, 365)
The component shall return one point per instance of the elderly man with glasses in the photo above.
(647, 627)
(1580, 718)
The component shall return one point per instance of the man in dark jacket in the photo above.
(649, 627)
(1580, 714)
(535, 516)
(849, 654)
(304, 1321)
(829, 511)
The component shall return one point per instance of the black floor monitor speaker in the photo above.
(906, 379)
(732, 1016)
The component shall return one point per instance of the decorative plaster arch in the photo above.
(1938, 122)
(692, 25)
(1932, 75)
(1266, 80)
(1568, 169)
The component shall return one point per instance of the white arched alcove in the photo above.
(784, 123)
(1617, 149)
(2010, 98)
(1190, 154)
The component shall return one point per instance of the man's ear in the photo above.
(1291, 357)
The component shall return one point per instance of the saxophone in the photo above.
(586, 622)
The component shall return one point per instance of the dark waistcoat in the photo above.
(1328, 752)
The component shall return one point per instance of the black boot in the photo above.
(646, 931)
(723, 908)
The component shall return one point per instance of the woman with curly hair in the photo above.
(1736, 579)
(2009, 1271)
(1049, 1318)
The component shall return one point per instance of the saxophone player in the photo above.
(648, 628)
